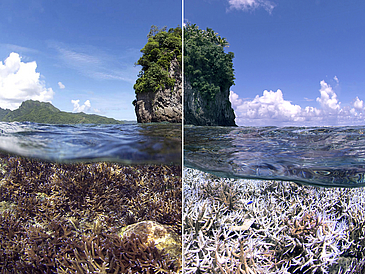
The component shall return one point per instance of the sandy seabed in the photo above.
(256, 226)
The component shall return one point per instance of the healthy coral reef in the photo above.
(255, 226)
(65, 218)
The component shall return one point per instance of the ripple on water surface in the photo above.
(326, 156)
(158, 143)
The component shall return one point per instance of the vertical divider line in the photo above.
(182, 138)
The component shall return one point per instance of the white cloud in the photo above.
(265, 109)
(234, 99)
(98, 64)
(336, 79)
(271, 109)
(246, 5)
(358, 109)
(358, 104)
(77, 108)
(20, 49)
(328, 99)
(19, 81)
(62, 86)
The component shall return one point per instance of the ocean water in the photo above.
(323, 156)
(158, 143)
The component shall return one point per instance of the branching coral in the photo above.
(273, 227)
(65, 218)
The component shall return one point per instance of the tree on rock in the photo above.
(208, 74)
(161, 71)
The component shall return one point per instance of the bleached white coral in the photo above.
(291, 227)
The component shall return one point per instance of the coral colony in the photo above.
(252, 226)
(70, 218)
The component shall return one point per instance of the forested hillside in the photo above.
(41, 112)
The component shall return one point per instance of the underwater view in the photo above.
(90, 198)
(273, 200)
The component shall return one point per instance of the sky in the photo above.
(297, 63)
(78, 55)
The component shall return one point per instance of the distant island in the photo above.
(42, 112)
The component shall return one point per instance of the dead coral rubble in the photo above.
(253, 226)
(65, 218)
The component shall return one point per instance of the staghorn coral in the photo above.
(65, 218)
(273, 227)
(163, 237)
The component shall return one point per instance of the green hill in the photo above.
(41, 112)
(3, 113)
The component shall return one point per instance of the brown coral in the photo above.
(66, 217)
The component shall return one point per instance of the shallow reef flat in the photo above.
(68, 218)
(255, 226)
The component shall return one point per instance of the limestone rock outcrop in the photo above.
(201, 111)
(165, 105)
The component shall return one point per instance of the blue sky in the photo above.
(77, 54)
(296, 62)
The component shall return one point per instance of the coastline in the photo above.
(261, 226)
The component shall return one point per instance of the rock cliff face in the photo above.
(165, 105)
(200, 111)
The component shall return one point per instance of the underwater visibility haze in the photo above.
(324, 156)
(158, 143)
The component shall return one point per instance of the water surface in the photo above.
(325, 156)
(155, 143)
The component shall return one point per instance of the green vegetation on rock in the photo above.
(208, 68)
(3, 113)
(162, 47)
(41, 112)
